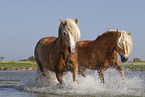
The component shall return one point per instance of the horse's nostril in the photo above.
(124, 59)
(69, 49)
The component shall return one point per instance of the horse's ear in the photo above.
(76, 20)
(129, 33)
(118, 33)
(61, 21)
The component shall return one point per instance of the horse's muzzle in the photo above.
(124, 58)
(71, 50)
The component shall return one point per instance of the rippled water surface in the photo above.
(23, 84)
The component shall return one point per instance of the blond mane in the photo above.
(127, 39)
(71, 25)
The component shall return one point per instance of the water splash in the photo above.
(90, 85)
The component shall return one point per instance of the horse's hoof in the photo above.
(76, 82)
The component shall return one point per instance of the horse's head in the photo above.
(70, 33)
(124, 45)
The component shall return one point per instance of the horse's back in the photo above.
(82, 44)
(46, 40)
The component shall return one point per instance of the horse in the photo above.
(59, 54)
(101, 53)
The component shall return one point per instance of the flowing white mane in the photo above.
(128, 41)
(73, 27)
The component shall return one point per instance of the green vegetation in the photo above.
(140, 66)
(18, 65)
(25, 64)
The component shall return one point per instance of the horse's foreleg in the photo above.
(59, 77)
(75, 72)
(118, 67)
(101, 75)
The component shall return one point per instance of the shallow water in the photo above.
(23, 84)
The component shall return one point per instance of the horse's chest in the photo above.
(64, 65)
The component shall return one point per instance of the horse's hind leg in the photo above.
(81, 71)
(45, 73)
(101, 75)
(38, 73)
(42, 71)
(59, 77)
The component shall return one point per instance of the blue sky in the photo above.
(24, 22)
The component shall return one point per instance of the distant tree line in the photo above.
(32, 58)
(137, 60)
(1, 58)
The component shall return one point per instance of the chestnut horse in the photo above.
(59, 54)
(101, 53)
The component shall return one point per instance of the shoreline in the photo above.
(18, 69)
